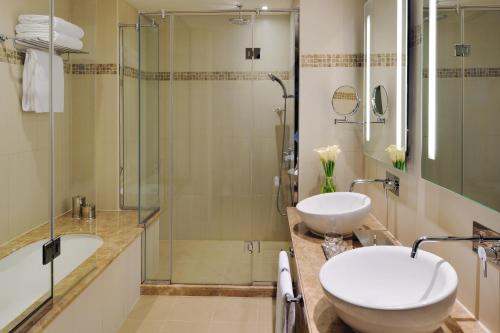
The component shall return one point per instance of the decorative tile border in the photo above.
(11, 56)
(455, 73)
(205, 76)
(416, 36)
(347, 60)
(83, 69)
(383, 59)
(331, 60)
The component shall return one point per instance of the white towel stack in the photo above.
(65, 34)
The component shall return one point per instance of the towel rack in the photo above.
(290, 299)
(37, 43)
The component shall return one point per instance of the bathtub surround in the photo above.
(117, 230)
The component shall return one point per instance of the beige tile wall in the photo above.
(328, 27)
(24, 143)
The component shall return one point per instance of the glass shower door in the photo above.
(211, 150)
(272, 134)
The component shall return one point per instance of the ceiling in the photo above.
(208, 4)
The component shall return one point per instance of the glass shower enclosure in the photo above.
(213, 130)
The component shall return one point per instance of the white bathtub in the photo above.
(24, 279)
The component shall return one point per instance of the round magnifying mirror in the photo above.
(380, 101)
(345, 100)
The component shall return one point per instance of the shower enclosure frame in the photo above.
(163, 14)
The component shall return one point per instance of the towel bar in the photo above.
(290, 299)
(37, 43)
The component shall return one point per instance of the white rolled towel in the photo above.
(59, 39)
(60, 25)
(36, 82)
(283, 263)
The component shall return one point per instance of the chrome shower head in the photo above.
(240, 20)
(274, 78)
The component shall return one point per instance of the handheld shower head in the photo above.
(277, 79)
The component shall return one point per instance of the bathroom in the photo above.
(189, 166)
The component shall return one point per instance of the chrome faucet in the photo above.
(489, 253)
(388, 183)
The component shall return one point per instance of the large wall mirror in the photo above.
(461, 98)
(385, 81)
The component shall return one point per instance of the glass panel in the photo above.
(272, 138)
(446, 168)
(25, 183)
(149, 196)
(158, 235)
(129, 117)
(75, 152)
(211, 142)
(481, 178)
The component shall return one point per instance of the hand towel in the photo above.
(285, 312)
(59, 39)
(60, 25)
(36, 82)
(283, 262)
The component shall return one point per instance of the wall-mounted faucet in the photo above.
(486, 253)
(391, 183)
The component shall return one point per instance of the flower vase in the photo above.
(328, 185)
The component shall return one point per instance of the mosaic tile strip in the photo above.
(347, 60)
(130, 72)
(82, 69)
(483, 72)
(454, 73)
(11, 56)
(345, 96)
(205, 76)
(416, 36)
(383, 59)
(332, 60)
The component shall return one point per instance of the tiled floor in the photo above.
(193, 314)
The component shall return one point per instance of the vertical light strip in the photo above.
(399, 70)
(368, 53)
(431, 149)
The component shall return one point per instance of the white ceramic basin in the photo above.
(340, 212)
(380, 289)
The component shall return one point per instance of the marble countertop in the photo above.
(118, 229)
(319, 314)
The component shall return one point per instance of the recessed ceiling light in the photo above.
(264, 7)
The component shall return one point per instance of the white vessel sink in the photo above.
(340, 212)
(380, 289)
